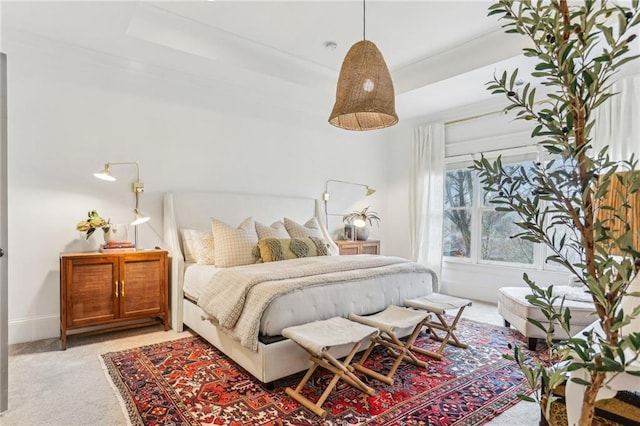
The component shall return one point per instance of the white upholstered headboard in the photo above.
(195, 210)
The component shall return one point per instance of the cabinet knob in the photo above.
(1, 252)
(116, 283)
(122, 289)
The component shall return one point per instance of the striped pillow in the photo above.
(234, 246)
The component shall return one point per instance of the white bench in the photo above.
(514, 308)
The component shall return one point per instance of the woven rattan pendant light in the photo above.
(365, 99)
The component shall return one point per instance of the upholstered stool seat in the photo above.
(514, 308)
(317, 338)
(390, 320)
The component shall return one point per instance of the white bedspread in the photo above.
(229, 301)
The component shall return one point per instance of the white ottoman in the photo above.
(514, 308)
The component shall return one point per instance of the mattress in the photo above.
(196, 278)
(361, 297)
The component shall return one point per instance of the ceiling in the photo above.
(440, 53)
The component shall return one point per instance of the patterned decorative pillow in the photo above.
(198, 247)
(309, 229)
(234, 245)
(276, 230)
(275, 249)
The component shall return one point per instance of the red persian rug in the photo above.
(189, 382)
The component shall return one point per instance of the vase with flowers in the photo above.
(91, 223)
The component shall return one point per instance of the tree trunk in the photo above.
(589, 399)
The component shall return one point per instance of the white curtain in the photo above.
(427, 195)
(617, 121)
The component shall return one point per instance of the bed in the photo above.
(270, 356)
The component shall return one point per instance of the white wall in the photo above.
(71, 110)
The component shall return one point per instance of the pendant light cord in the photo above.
(364, 19)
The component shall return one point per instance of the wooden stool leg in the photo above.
(347, 369)
(304, 401)
(339, 370)
(402, 352)
(409, 356)
(306, 377)
(450, 337)
(328, 390)
(361, 368)
(430, 325)
(453, 327)
(423, 351)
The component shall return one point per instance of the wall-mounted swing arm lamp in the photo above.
(137, 187)
(326, 196)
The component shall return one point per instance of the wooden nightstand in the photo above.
(112, 289)
(359, 247)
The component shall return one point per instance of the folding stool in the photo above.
(387, 322)
(437, 303)
(317, 338)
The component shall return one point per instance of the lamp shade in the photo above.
(105, 174)
(139, 218)
(365, 99)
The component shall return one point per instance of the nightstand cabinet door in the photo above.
(370, 247)
(89, 286)
(143, 285)
(349, 249)
(359, 247)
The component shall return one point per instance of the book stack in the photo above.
(117, 247)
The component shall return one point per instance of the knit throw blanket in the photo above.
(229, 301)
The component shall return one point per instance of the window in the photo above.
(498, 227)
(473, 230)
(458, 203)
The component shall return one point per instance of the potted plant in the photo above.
(578, 49)
(360, 218)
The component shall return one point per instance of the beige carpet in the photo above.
(48, 386)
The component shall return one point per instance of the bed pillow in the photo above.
(275, 249)
(276, 230)
(309, 229)
(233, 246)
(198, 246)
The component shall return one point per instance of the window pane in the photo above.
(566, 175)
(497, 228)
(457, 233)
(458, 188)
(514, 170)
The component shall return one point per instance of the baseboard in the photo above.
(35, 328)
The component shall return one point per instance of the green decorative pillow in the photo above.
(275, 249)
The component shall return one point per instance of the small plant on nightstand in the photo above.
(361, 217)
(360, 220)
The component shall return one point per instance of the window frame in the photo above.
(509, 156)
